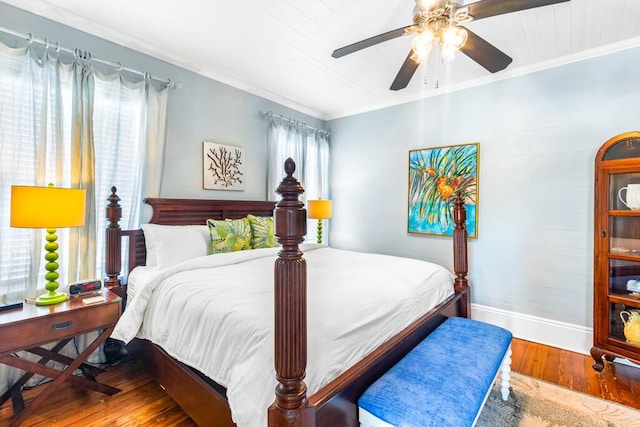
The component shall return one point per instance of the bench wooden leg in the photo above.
(505, 375)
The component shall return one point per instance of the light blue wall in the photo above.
(200, 109)
(538, 137)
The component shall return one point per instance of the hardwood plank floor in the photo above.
(143, 403)
(618, 383)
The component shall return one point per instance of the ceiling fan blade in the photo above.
(369, 42)
(407, 70)
(484, 53)
(487, 8)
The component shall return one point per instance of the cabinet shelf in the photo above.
(626, 299)
(625, 212)
(625, 256)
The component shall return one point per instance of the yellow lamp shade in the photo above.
(47, 207)
(320, 209)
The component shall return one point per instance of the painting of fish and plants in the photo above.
(436, 176)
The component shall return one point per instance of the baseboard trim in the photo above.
(538, 329)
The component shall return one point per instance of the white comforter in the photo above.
(215, 314)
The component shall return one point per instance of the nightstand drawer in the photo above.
(56, 326)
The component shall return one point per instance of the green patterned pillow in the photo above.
(229, 235)
(262, 230)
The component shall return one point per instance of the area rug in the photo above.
(535, 403)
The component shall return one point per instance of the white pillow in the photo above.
(171, 244)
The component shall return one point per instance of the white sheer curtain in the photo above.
(129, 124)
(309, 148)
(153, 159)
(67, 124)
(35, 122)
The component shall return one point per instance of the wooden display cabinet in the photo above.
(616, 247)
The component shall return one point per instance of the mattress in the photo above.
(215, 314)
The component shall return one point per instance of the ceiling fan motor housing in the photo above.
(441, 14)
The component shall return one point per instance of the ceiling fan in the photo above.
(441, 20)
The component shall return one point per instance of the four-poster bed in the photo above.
(335, 403)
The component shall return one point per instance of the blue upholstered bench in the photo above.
(444, 381)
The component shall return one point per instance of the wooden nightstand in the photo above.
(32, 326)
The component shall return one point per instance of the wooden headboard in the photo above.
(166, 212)
(197, 211)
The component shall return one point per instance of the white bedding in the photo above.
(215, 313)
(138, 278)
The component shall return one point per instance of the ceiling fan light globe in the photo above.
(454, 37)
(421, 45)
(420, 55)
(423, 40)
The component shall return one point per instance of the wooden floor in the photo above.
(143, 403)
(618, 383)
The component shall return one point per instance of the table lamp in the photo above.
(320, 209)
(50, 208)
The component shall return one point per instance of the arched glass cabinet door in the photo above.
(617, 250)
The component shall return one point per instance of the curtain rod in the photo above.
(78, 52)
(270, 114)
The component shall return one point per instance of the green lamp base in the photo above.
(51, 298)
(319, 231)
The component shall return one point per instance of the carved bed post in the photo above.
(112, 242)
(460, 264)
(291, 406)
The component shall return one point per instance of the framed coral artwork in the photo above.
(224, 167)
(436, 175)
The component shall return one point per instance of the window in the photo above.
(309, 148)
(118, 117)
(36, 139)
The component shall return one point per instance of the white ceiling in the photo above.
(281, 49)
